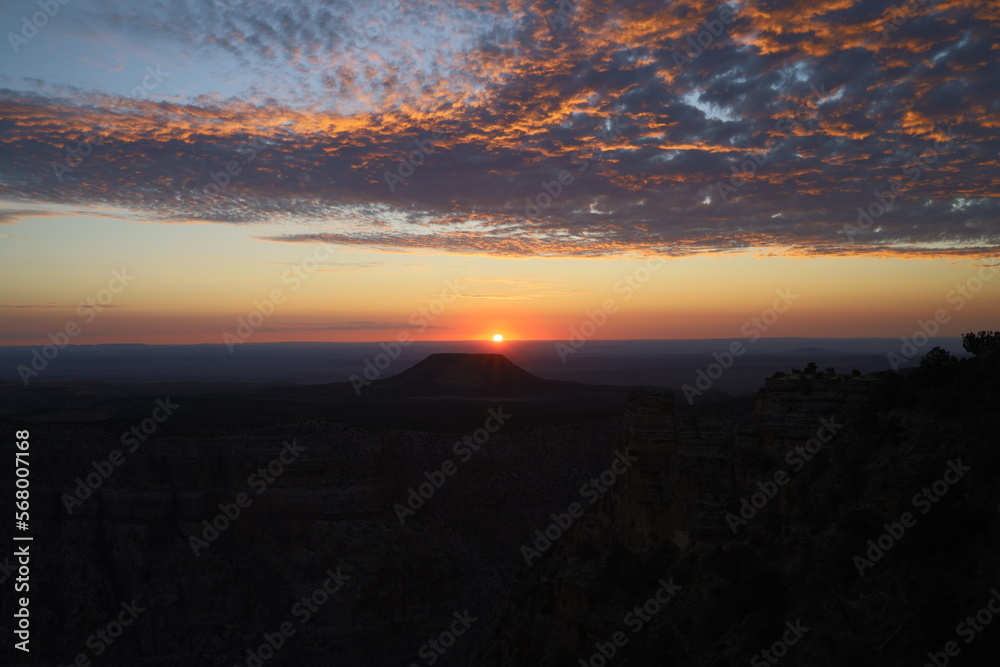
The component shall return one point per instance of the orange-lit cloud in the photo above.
(448, 126)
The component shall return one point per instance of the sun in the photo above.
(497, 338)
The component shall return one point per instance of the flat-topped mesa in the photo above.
(466, 374)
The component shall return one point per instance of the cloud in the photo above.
(52, 306)
(12, 216)
(603, 133)
(344, 326)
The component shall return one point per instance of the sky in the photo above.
(664, 168)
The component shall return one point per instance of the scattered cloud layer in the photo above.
(447, 126)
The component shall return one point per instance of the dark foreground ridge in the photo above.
(843, 519)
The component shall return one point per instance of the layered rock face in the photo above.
(791, 516)
(790, 407)
(649, 506)
(692, 467)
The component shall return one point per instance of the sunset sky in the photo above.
(382, 152)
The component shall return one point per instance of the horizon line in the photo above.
(483, 340)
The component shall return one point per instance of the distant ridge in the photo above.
(814, 350)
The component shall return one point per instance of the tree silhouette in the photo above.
(977, 343)
(937, 358)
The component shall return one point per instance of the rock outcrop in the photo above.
(691, 468)
(812, 548)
